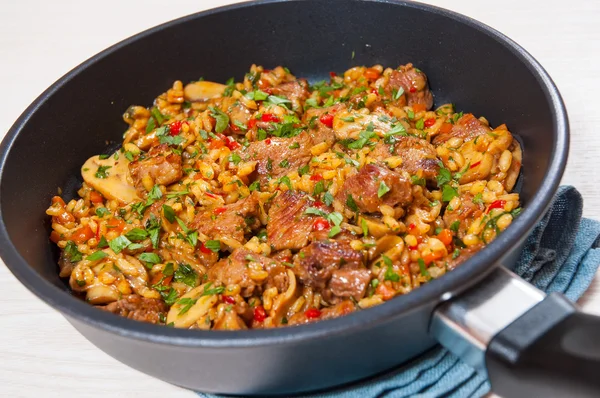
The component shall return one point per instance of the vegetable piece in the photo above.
(312, 313)
(498, 204)
(202, 91)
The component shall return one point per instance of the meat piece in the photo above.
(340, 309)
(236, 269)
(464, 215)
(414, 84)
(160, 166)
(464, 255)
(364, 187)
(288, 226)
(138, 308)
(419, 157)
(321, 132)
(315, 264)
(350, 282)
(296, 91)
(467, 127)
(232, 221)
(270, 154)
(230, 321)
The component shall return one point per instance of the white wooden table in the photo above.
(41, 355)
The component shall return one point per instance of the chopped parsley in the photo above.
(383, 189)
(102, 172)
(186, 275)
(72, 252)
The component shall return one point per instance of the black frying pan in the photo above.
(467, 63)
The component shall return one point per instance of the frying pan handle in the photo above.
(529, 344)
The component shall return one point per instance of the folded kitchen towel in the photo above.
(562, 254)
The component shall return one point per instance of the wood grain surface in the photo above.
(41, 355)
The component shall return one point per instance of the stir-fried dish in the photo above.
(273, 202)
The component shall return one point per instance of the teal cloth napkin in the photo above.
(562, 254)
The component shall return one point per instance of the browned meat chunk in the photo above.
(236, 269)
(315, 264)
(340, 309)
(414, 84)
(419, 157)
(350, 282)
(160, 166)
(230, 321)
(320, 132)
(138, 308)
(296, 91)
(467, 127)
(232, 221)
(464, 255)
(288, 226)
(278, 156)
(364, 187)
(464, 215)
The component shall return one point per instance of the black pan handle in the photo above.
(529, 345)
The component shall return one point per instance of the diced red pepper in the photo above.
(316, 177)
(232, 144)
(321, 224)
(317, 203)
(115, 224)
(259, 314)
(445, 236)
(268, 141)
(429, 122)
(251, 123)
(498, 204)
(269, 117)
(312, 313)
(327, 119)
(175, 128)
(419, 107)
(413, 90)
(446, 128)
(332, 74)
(96, 197)
(228, 299)
(220, 210)
(372, 74)
(82, 235)
(475, 165)
(205, 249)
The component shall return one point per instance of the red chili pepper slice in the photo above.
(327, 119)
(211, 195)
(232, 144)
(175, 128)
(260, 314)
(475, 165)
(317, 203)
(429, 122)
(312, 313)
(220, 210)
(205, 249)
(413, 90)
(321, 224)
(228, 299)
(498, 204)
(316, 177)
(269, 117)
(268, 141)
(332, 74)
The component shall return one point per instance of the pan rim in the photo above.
(437, 290)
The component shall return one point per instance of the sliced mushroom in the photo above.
(376, 227)
(515, 167)
(101, 294)
(191, 307)
(349, 125)
(203, 91)
(110, 177)
(284, 301)
(390, 245)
